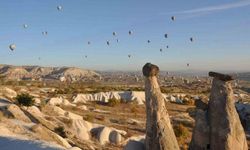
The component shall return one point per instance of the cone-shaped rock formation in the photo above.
(159, 131)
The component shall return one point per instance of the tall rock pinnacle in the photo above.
(159, 131)
(218, 126)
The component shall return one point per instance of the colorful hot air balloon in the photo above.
(130, 32)
(25, 26)
(166, 35)
(59, 8)
(191, 39)
(12, 47)
(173, 18)
(108, 43)
(45, 33)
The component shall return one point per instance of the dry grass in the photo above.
(1, 116)
(113, 102)
(183, 136)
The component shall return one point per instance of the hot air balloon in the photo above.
(191, 39)
(114, 33)
(166, 35)
(130, 32)
(187, 64)
(117, 40)
(45, 33)
(129, 56)
(108, 43)
(86, 56)
(12, 47)
(59, 8)
(149, 41)
(167, 46)
(173, 18)
(160, 50)
(89, 43)
(25, 26)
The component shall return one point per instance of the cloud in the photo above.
(216, 8)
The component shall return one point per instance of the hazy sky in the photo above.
(221, 30)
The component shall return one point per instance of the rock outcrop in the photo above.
(7, 92)
(218, 126)
(10, 72)
(18, 113)
(108, 135)
(159, 131)
(39, 116)
(48, 135)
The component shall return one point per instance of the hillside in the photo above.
(10, 72)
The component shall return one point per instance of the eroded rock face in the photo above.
(218, 126)
(48, 135)
(226, 131)
(18, 113)
(159, 131)
(108, 135)
(200, 136)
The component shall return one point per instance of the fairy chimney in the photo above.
(218, 126)
(226, 131)
(159, 131)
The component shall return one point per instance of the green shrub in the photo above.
(25, 99)
(113, 102)
(60, 131)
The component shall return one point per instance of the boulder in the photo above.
(115, 137)
(103, 135)
(135, 143)
(80, 129)
(108, 135)
(9, 93)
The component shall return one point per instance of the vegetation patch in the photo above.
(181, 131)
(89, 118)
(113, 102)
(61, 131)
(25, 99)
